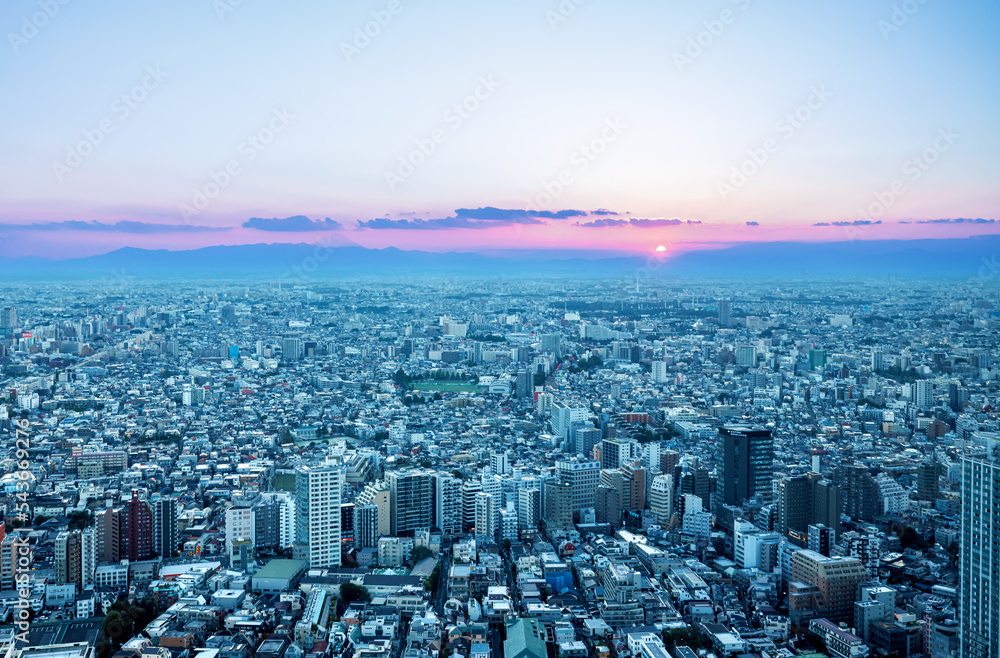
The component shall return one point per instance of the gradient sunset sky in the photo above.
(583, 124)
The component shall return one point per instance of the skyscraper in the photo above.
(746, 356)
(68, 557)
(725, 308)
(88, 557)
(347, 524)
(928, 486)
(240, 524)
(469, 490)
(583, 476)
(661, 498)
(659, 372)
(318, 492)
(924, 394)
(630, 483)
(377, 495)
(366, 526)
(411, 500)
(979, 557)
(831, 586)
(125, 532)
(747, 461)
(607, 506)
(565, 416)
(165, 526)
(529, 507)
(500, 463)
(552, 344)
(485, 513)
(448, 512)
(558, 504)
(878, 359)
(804, 500)
(292, 349)
(859, 491)
(821, 538)
(586, 439)
(669, 459)
(615, 453)
(523, 385)
(8, 320)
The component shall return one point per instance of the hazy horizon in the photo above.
(566, 125)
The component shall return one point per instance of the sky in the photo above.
(448, 125)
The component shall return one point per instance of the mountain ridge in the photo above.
(954, 257)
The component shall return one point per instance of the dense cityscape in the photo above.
(500, 467)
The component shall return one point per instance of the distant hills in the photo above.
(967, 257)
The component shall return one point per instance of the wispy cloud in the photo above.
(600, 223)
(515, 214)
(443, 224)
(124, 226)
(472, 218)
(959, 220)
(639, 222)
(298, 223)
(654, 223)
(857, 222)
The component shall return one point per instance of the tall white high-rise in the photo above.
(564, 416)
(493, 486)
(500, 463)
(286, 518)
(448, 511)
(746, 356)
(659, 372)
(240, 526)
(544, 404)
(661, 498)
(529, 508)
(485, 524)
(508, 522)
(318, 492)
(878, 359)
(291, 349)
(924, 396)
(979, 559)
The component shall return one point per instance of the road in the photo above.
(439, 597)
(496, 644)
